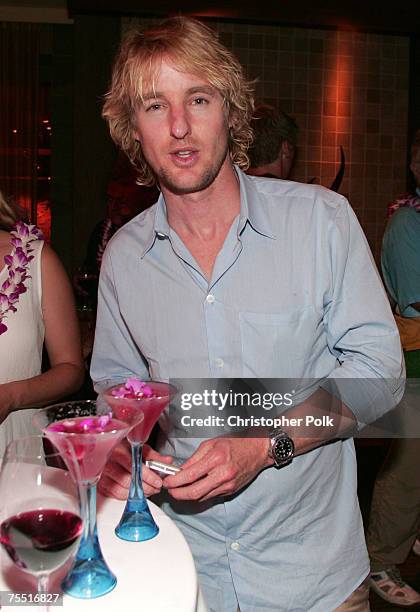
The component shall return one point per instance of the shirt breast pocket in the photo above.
(279, 345)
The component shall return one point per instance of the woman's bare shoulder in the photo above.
(54, 276)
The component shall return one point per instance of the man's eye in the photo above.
(200, 101)
(153, 107)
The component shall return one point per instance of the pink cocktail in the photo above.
(151, 398)
(92, 439)
(93, 430)
(152, 403)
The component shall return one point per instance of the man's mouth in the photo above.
(184, 156)
(184, 153)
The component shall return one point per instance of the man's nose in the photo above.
(180, 124)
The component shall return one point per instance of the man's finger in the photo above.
(202, 451)
(210, 459)
(148, 490)
(187, 476)
(199, 488)
(150, 478)
(195, 491)
(117, 473)
(122, 456)
(110, 488)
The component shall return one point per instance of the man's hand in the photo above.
(152, 482)
(220, 466)
(116, 477)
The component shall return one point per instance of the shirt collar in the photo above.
(251, 211)
(159, 229)
(252, 207)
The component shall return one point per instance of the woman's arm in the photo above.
(62, 340)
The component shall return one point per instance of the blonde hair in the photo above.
(193, 47)
(9, 214)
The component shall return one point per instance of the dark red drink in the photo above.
(41, 540)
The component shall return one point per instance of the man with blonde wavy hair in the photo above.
(231, 276)
(192, 48)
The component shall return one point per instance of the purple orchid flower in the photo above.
(133, 388)
(17, 263)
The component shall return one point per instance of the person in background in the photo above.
(273, 149)
(395, 511)
(225, 278)
(412, 198)
(125, 200)
(36, 305)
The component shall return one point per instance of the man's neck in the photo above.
(204, 213)
(203, 219)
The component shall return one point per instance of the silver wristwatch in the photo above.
(281, 449)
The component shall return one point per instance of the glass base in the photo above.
(137, 523)
(88, 579)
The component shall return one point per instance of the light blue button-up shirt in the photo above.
(294, 293)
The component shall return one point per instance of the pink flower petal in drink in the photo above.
(104, 420)
(147, 391)
(134, 385)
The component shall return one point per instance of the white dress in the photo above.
(21, 346)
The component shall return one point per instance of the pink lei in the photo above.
(409, 199)
(17, 263)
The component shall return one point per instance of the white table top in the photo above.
(158, 575)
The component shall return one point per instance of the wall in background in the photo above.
(343, 88)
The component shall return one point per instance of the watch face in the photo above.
(283, 450)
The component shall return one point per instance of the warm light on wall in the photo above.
(336, 119)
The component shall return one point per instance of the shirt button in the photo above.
(210, 298)
(219, 362)
(235, 546)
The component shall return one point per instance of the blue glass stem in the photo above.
(137, 523)
(136, 493)
(90, 576)
(89, 544)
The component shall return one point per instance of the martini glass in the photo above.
(137, 523)
(93, 430)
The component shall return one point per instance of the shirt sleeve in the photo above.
(401, 259)
(361, 330)
(115, 356)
